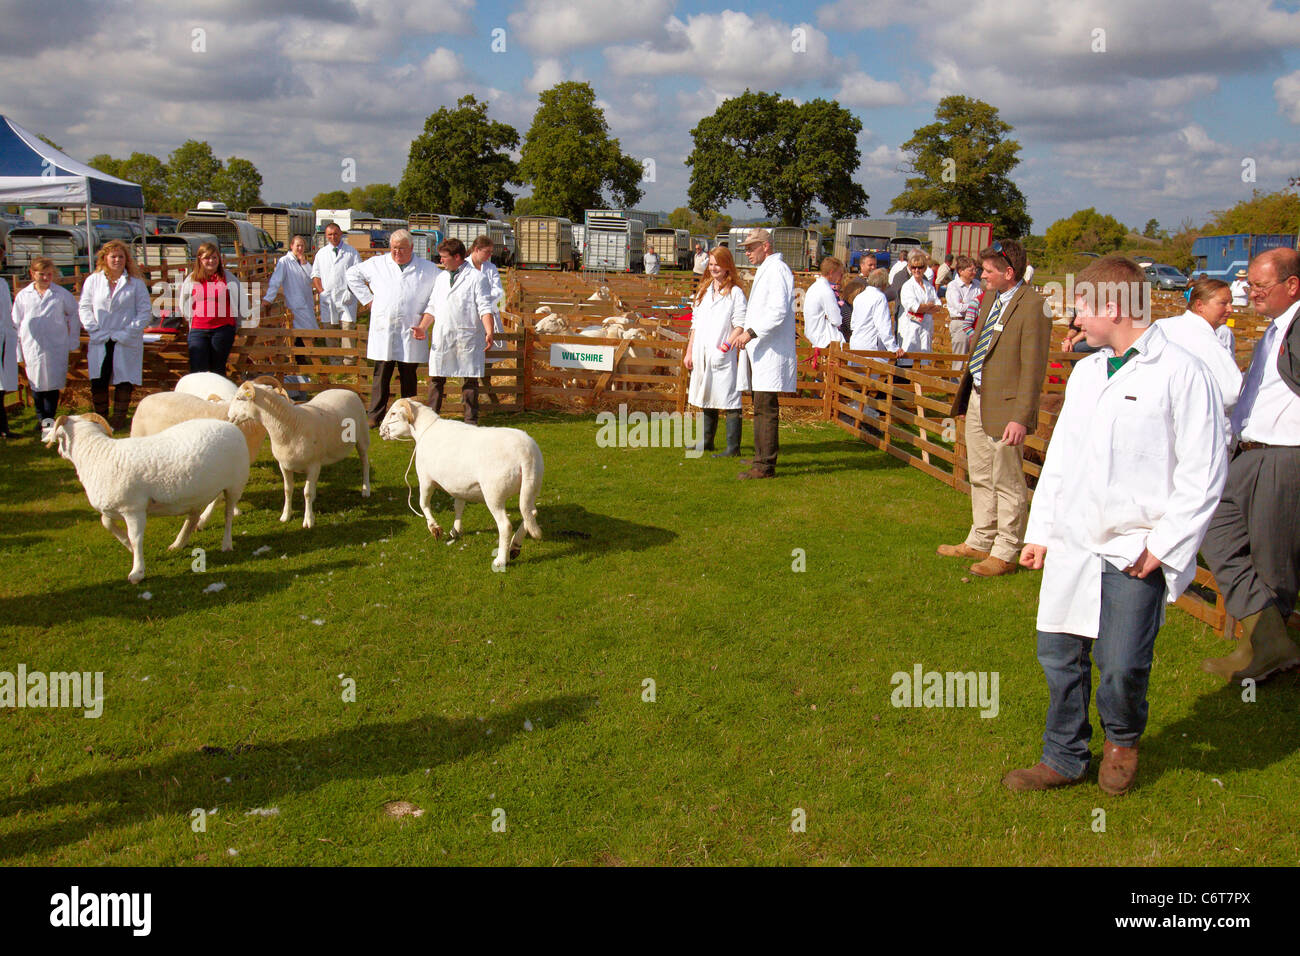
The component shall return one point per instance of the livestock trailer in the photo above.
(613, 242)
(174, 249)
(343, 218)
(65, 245)
(960, 239)
(672, 246)
(282, 223)
(545, 242)
(427, 221)
(1219, 257)
(237, 237)
(792, 243)
(856, 236)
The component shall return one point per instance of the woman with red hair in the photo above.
(714, 366)
(115, 310)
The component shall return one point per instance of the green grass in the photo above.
(772, 687)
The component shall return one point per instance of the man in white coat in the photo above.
(480, 257)
(460, 311)
(1131, 480)
(396, 286)
(769, 342)
(329, 277)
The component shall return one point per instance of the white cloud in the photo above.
(559, 26)
(732, 51)
(859, 90)
(1286, 90)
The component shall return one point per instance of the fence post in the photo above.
(526, 364)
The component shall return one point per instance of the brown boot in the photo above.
(962, 550)
(756, 472)
(121, 405)
(992, 567)
(1119, 767)
(1038, 777)
(1264, 649)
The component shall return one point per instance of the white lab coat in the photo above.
(915, 331)
(871, 329)
(770, 314)
(821, 314)
(651, 263)
(1240, 289)
(1194, 334)
(1226, 339)
(715, 375)
(1136, 461)
(331, 265)
(397, 297)
(457, 339)
(293, 278)
(118, 313)
(8, 343)
(496, 292)
(48, 329)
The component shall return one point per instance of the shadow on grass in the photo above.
(1222, 733)
(263, 774)
(845, 454)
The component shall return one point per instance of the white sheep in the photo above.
(491, 465)
(177, 472)
(306, 437)
(203, 384)
(552, 324)
(162, 410)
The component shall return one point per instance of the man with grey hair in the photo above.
(1253, 545)
(329, 277)
(396, 286)
(768, 338)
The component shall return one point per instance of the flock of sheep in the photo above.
(193, 446)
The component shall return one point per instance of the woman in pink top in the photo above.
(210, 300)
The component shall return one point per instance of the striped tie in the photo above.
(986, 336)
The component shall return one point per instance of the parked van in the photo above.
(237, 237)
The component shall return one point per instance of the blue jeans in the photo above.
(1132, 611)
(210, 348)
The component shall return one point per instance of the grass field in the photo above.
(520, 697)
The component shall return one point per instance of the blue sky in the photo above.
(1156, 125)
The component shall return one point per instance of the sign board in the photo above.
(595, 358)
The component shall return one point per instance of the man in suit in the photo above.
(1253, 545)
(999, 395)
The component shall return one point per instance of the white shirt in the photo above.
(294, 279)
(1268, 411)
(331, 265)
(651, 264)
(457, 339)
(770, 315)
(1005, 299)
(1195, 335)
(715, 381)
(397, 297)
(915, 331)
(958, 297)
(896, 268)
(496, 291)
(701, 263)
(48, 329)
(821, 314)
(1226, 339)
(1134, 462)
(1240, 289)
(870, 329)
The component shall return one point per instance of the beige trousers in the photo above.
(999, 496)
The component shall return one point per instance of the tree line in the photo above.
(191, 173)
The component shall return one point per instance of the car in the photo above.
(1166, 277)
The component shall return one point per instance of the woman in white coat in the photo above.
(460, 313)
(714, 365)
(115, 311)
(396, 287)
(49, 330)
(917, 302)
(8, 355)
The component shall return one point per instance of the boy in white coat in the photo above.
(460, 313)
(1132, 477)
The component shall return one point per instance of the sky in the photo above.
(1166, 110)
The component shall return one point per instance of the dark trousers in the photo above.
(47, 404)
(1132, 610)
(379, 384)
(468, 394)
(767, 423)
(210, 348)
(99, 389)
(1253, 544)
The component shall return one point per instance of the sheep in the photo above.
(203, 384)
(491, 465)
(552, 324)
(161, 410)
(177, 472)
(306, 437)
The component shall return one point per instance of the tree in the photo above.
(238, 184)
(1266, 213)
(570, 159)
(1152, 229)
(105, 164)
(1085, 231)
(150, 173)
(460, 163)
(962, 162)
(191, 169)
(336, 199)
(710, 224)
(759, 148)
(379, 199)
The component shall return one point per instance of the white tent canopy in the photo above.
(33, 171)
